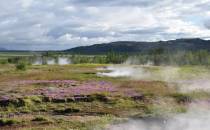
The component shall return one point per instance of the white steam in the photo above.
(135, 61)
(141, 73)
(194, 85)
(185, 81)
(197, 118)
(52, 61)
(119, 72)
(64, 61)
(123, 71)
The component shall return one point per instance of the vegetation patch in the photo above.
(21, 66)
(181, 98)
(73, 97)
(66, 111)
(8, 122)
(42, 119)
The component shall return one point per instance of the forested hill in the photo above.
(143, 47)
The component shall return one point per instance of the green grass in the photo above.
(158, 98)
(9, 122)
(16, 54)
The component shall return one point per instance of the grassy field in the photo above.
(73, 97)
(16, 54)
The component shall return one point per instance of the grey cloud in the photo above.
(207, 24)
(150, 31)
(39, 24)
(89, 33)
(141, 3)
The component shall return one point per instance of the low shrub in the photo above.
(181, 98)
(21, 66)
(66, 111)
(99, 97)
(42, 119)
(3, 61)
(36, 99)
(8, 122)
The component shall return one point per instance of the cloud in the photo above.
(141, 3)
(207, 24)
(53, 24)
(26, 3)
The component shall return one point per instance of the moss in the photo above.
(27, 102)
(36, 99)
(6, 122)
(21, 66)
(199, 94)
(95, 123)
(125, 103)
(42, 119)
(3, 61)
(25, 110)
(181, 98)
(181, 109)
(67, 111)
(98, 97)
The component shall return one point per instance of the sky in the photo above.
(63, 24)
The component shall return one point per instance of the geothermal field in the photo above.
(104, 97)
(196, 116)
(104, 64)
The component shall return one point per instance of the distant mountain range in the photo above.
(143, 47)
(2, 49)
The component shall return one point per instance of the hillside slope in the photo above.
(143, 47)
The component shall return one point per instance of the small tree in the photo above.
(21, 66)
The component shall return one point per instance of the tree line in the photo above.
(156, 57)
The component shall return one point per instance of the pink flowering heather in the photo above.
(86, 88)
(73, 88)
(45, 81)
